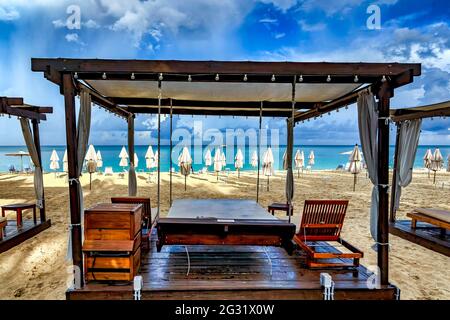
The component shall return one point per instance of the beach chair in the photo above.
(437, 217)
(148, 216)
(12, 169)
(321, 223)
(109, 171)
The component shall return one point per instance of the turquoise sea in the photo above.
(326, 157)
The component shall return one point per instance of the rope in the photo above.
(188, 261)
(76, 180)
(270, 260)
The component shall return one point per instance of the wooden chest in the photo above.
(112, 241)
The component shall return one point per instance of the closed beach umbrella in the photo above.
(218, 165)
(437, 162)
(427, 160)
(239, 161)
(54, 161)
(65, 162)
(123, 155)
(91, 163)
(355, 164)
(299, 162)
(311, 160)
(185, 163)
(150, 159)
(268, 163)
(254, 160)
(99, 159)
(208, 158)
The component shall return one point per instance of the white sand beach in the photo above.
(38, 269)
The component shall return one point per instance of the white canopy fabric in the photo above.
(311, 158)
(368, 127)
(407, 149)
(355, 161)
(54, 160)
(268, 162)
(32, 149)
(437, 161)
(218, 160)
(220, 91)
(254, 160)
(99, 159)
(208, 158)
(239, 160)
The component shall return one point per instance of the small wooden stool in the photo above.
(18, 208)
(276, 206)
(3, 223)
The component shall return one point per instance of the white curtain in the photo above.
(32, 150)
(368, 127)
(407, 148)
(288, 162)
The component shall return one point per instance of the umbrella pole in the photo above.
(354, 182)
(90, 181)
(268, 177)
(434, 178)
(217, 175)
(21, 164)
(185, 180)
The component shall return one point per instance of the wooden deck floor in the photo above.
(425, 235)
(14, 236)
(233, 272)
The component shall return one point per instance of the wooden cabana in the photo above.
(294, 90)
(428, 235)
(26, 113)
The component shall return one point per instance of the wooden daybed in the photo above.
(223, 222)
(437, 217)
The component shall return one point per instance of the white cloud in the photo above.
(8, 14)
(312, 27)
(73, 37)
(283, 5)
(280, 35)
(268, 20)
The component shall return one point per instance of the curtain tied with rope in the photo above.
(32, 150)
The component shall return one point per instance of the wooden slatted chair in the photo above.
(322, 221)
(148, 216)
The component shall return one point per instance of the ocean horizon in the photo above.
(327, 157)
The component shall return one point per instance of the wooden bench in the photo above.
(427, 218)
(3, 223)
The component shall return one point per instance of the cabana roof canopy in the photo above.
(441, 109)
(224, 87)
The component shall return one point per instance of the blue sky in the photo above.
(276, 30)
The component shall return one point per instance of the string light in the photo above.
(301, 78)
(383, 79)
(160, 78)
(356, 78)
(217, 77)
(245, 77)
(189, 78)
(75, 75)
(133, 76)
(328, 78)
(273, 78)
(104, 75)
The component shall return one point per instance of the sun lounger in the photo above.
(109, 171)
(322, 221)
(437, 217)
(149, 216)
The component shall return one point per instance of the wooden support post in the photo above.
(384, 95)
(394, 174)
(37, 143)
(72, 165)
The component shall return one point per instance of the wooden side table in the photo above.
(18, 208)
(276, 206)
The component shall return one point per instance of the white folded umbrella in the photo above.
(268, 165)
(239, 161)
(355, 164)
(54, 161)
(254, 160)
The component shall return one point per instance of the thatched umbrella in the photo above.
(239, 161)
(208, 158)
(185, 164)
(312, 159)
(20, 154)
(427, 160)
(54, 161)
(268, 163)
(91, 163)
(218, 164)
(355, 164)
(437, 163)
(299, 161)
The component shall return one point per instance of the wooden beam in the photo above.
(421, 115)
(209, 112)
(72, 164)
(384, 94)
(221, 67)
(35, 108)
(9, 101)
(37, 143)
